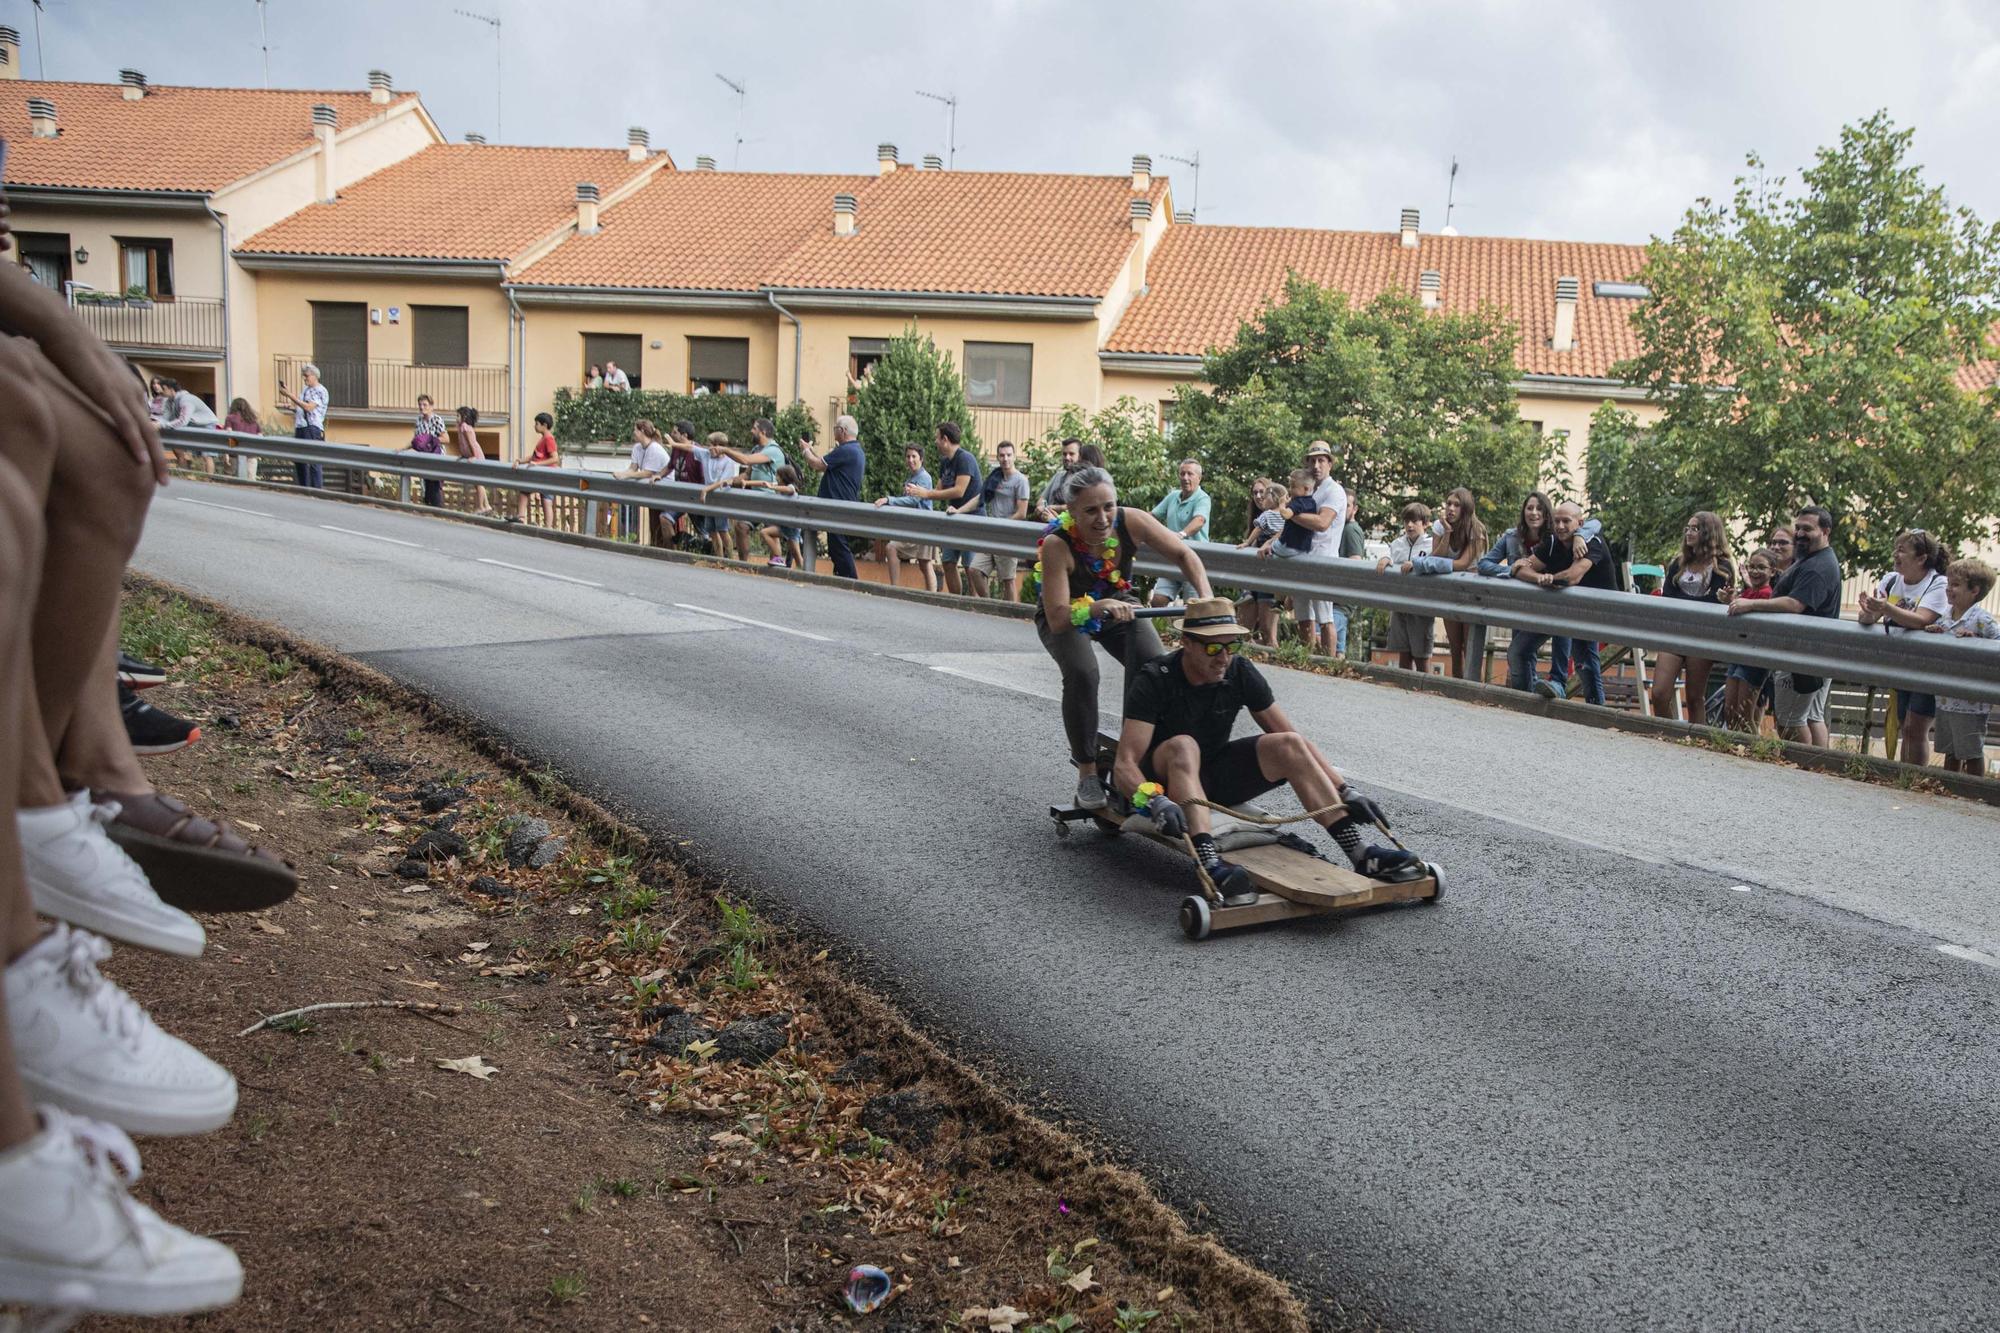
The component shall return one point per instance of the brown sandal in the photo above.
(193, 863)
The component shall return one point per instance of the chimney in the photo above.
(1430, 285)
(380, 89)
(474, 137)
(586, 209)
(704, 164)
(41, 118)
(1183, 215)
(885, 158)
(10, 52)
(932, 162)
(1409, 229)
(638, 144)
(134, 84)
(843, 215)
(1142, 174)
(1563, 338)
(325, 183)
(1142, 214)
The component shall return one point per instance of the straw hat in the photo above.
(1318, 449)
(1212, 618)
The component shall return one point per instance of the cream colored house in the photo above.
(791, 285)
(397, 288)
(128, 187)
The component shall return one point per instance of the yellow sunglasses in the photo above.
(1217, 647)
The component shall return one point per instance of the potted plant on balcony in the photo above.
(138, 297)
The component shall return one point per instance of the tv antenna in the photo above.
(742, 93)
(950, 124)
(493, 23)
(1194, 198)
(41, 64)
(1450, 196)
(264, 42)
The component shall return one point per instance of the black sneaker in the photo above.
(1391, 865)
(1232, 882)
(153, 731)
(136, 675)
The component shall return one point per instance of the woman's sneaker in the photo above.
(1090, 793)
(72, 1237)
(153, 730)
(87, 1046)
(77, 874)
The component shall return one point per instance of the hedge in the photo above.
(605, 416)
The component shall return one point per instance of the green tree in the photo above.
(1413, 401)
(1640, 493)
(913, 388)
(1141, 459)
(1807, 347)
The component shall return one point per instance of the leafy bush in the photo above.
(1141, 460)
(913, 388)
(604, 416)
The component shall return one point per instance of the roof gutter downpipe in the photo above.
(798, 342)
(228, 348)
(517, 361)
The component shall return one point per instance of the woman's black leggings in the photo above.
(1133, 642)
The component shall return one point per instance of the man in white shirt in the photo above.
(1316, 618)
(650, 461)
(616, 379)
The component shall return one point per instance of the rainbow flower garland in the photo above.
(1109, 578)
(1143, 797)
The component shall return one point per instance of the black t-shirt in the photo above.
(1160, 693)
(960, 464)
(1558, 554)
(1815, 582)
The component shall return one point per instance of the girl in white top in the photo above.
(1910, 598)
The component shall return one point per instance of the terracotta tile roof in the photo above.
(995, 233)
(1203, 281)
(189, 139)
(699, 230)
(452, 201)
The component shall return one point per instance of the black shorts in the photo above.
(1230, 776)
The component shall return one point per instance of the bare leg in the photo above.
(1665, 672)
(951, 577)
(891, 563)
(980, 586)
(20, 569)
(1697, 690)
(92, 499)
(1917, 739)
(1178, 760)
(1454, 641)
(1289, 757)
(928, 568)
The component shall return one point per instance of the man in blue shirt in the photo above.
(1185, 512)
(844, 466)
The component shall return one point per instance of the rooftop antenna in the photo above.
(493, 23)
(736, 86)
(1450, 196)
(264, 42)
(950, 125)
(1194, 199)
(41, 65)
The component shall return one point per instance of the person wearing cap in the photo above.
(1175, 753)
(1083, 593)
(1323, 623)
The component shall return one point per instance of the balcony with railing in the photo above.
(188, 324)
(380, 388)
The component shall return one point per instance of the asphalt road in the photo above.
(1693, 1042)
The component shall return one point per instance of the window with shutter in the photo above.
(998, 374)
(439, 335)
(601, 348)
(718, 365)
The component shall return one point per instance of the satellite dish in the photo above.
(1448, 230)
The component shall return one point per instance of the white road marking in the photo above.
(988, 680)
(210, 504)
(760, 624)
(1739, 888)
(540, 573)
(1969, 955)
(393, 541)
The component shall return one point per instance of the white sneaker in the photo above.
(1090, 793)
(87, 1046)
(72, 1236)
(80, 876)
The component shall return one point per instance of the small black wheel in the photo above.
(1195, 919)
(1062, 828)
(1437, 875)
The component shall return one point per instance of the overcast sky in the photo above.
(1597, 121)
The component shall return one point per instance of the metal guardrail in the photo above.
(1929, 663)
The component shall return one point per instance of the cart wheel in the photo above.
(1437, 874)
(1062, 828)
(1195, 919)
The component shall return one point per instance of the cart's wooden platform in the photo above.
(1290, 882)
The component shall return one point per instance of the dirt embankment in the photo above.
(600, 1094)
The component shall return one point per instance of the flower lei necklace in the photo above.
(1110, 579)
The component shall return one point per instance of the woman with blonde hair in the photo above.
(1456, 545)
(1704, 571)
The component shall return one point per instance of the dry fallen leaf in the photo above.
(999, 1319)
(1080, 1282)
(1164, 1294)
(269, 927)
(474, 1065)
(479, 946)
(254, 828)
